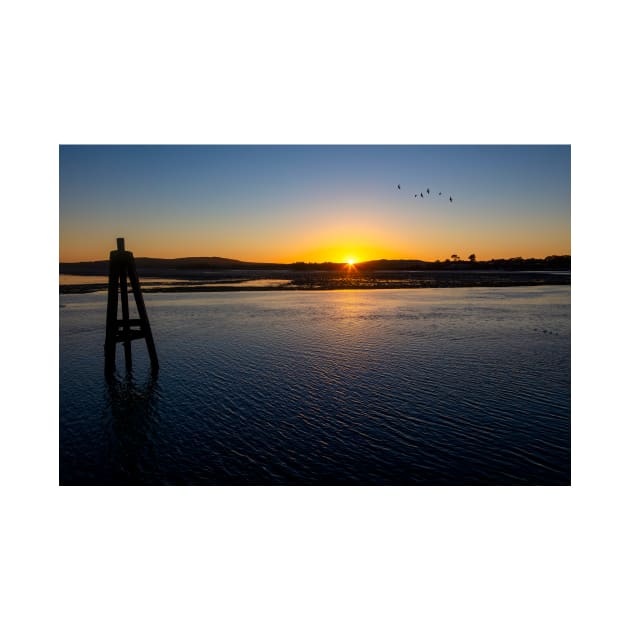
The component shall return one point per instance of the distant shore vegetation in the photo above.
(551, 263)
(222, 274)
(453, 262)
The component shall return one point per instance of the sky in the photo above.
(315, 203)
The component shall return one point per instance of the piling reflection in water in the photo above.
(130, 417)
(439, 386)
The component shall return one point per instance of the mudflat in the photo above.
(330, 280)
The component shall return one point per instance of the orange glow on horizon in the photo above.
(337, 231)
(314, 204)
(317, 255)
(353, 240)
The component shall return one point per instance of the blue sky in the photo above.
(287, 203)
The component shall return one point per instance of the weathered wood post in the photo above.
(122, 266)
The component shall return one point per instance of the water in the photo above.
(429, 386)
(66, 279)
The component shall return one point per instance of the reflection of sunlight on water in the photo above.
(399, 386)
(350, 302)
(158, 283)
(263, 282)
(351, 316)
(66, 278)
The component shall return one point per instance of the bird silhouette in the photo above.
(450, 198)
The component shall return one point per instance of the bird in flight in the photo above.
(450, 198)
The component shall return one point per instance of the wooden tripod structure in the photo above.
(122, 266)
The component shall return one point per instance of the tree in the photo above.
(472, 258)
(455, 257)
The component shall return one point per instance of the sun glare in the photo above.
(351, 262)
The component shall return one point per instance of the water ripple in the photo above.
(395, 387)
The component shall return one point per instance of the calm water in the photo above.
(66, 279)
(429, 386)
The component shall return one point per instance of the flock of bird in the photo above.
(450, 197)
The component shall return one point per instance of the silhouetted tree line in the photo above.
(552, 263)
(325, 266)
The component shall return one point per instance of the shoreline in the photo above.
(325, 282)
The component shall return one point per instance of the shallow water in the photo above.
(154, 283)
(426, 386)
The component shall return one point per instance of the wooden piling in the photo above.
(122, 266)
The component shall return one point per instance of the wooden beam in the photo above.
(122, 266)
(112, 315)
(142, 311)
(124, 302)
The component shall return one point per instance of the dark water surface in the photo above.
(427, 386)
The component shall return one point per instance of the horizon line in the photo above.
(324, 262)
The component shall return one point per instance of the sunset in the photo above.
(315, 315)
(318, 338)
(285, 204)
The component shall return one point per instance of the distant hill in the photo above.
(197, 263)
(170, 266)
(550, 263)
(394, 265)
(203, 262)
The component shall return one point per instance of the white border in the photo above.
(348, 72)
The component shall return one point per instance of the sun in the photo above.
(351, 262)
